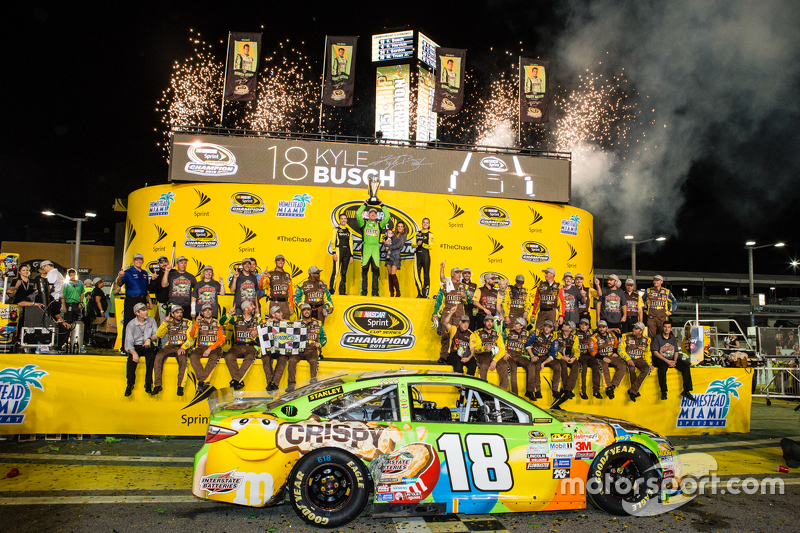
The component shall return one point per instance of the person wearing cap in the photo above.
(573, 297)
(73, 297)
(659, 304)
(603, 346)
(485, 299)
(245, 284)
(254, 270)
(315, 340)
(667, 354)
(422, 259)
(470, 287)
(278, 285)
(583, 334)
(634, 349)
(272, 356)
(156, 287)
(134, 279)
(490, 351)
(176, 332)
(243, 343)
(516, 338)
(315, 293)
(460, 351)
(569, 352)
(371, 244)
(210, 336)
(181, 285)
(612, 306)
(548, 300)
(503, 297)
(342, 246)
(207, 291)
(542, 347)
(588, 297)
(518, 304)
(140, 339)
(635, 306)
(393, 244)
(452, 296)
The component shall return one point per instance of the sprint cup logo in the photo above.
(200, 237)
(494, 217)
(233, 267)
(246, 203)
(534, 112)
(350, 209)
(494, 164)
(448, 104)
(497, 275)
(377, 327)
(535, 252)
(210, 160)
(338, 94)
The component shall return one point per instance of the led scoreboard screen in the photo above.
(426, 51)
(393, 46)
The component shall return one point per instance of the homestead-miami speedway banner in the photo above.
(83, 394)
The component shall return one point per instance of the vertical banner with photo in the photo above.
(392, 101)
(241, 75)
(533, 90)
(426, 118)
(449, 94)
(340, 71)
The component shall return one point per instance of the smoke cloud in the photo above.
(716, 82)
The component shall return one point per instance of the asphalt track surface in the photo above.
(143, 484)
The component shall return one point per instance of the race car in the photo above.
(422, 443)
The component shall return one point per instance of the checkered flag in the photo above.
(283, 337)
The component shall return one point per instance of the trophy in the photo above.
(373, 184)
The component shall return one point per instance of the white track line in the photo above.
(73, 500)
(121, 458)
(733, 444)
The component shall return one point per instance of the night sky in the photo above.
(720, 78)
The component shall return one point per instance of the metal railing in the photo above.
(350, 139)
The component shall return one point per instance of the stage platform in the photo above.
(84, 394)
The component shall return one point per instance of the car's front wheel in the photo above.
(623, 479)
(329, 487)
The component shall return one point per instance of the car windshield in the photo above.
(227, 399)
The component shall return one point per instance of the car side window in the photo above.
(454, 403)
(370, 403)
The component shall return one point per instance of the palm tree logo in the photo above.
(728, 388)
(305, 198)
(167, 197)
(24, 378)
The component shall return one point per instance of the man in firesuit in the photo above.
(490, 351)
(178, 332)
(634, 349)
(371, 244)
(603, 345)
(315, 293)
(542, 348)
(516, 338)
(548, 302)
(586, 360)
(243, 344)
(659, 304)
(452, 296)
(342, 244)
(278, 285)
(315, 340)
(460, 354)
(570, 353)
(210, 337)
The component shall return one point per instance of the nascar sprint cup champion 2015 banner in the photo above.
(449, 95)
(218, 158)
(340, 71)
(241, 72)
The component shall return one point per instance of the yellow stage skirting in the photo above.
(83, 394)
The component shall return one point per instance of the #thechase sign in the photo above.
(223, 159)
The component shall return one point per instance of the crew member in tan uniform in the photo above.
(451, 300)
(278, 284)
(271, 356)
(603, 345)
(516, 338)
(315, 293)
(179, 338)
(541, 346)
(315, 340)
(243, 344)
(570, 353)
(548, 302)
(210, 337)
(490, 351)
(460, 353)
(586, 360)
(635, 351)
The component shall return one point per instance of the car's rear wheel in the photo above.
(623, 479)
(329, 487)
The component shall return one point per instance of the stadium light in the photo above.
(750, 246)
(630, 238)
(79, 221)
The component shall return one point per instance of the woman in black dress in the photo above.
(394, 243)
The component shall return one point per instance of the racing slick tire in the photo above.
(623, 479)
(329, 487)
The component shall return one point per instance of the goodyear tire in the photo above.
(329, 487)
(623, 479)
